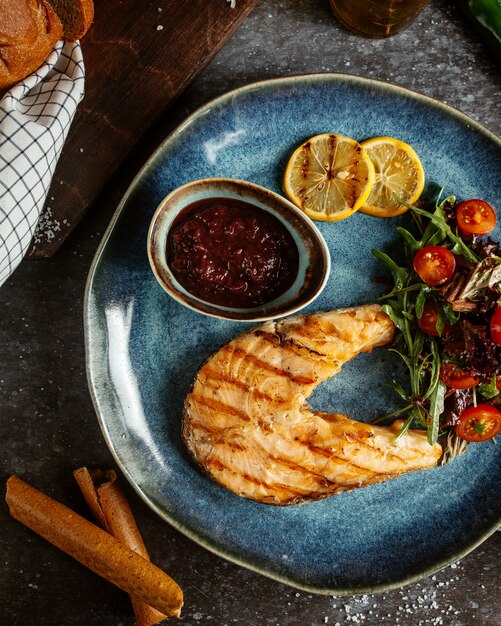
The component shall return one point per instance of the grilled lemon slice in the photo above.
(399, 176)
(329, 177)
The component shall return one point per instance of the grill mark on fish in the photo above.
(287, 489)
(319, 479)
(313, 331)
(373, 448)
(300, 349)
(331, 455)
(295, 348)
(233, 445)
(362, 440)
(213, 378)
(197, 425)
(272, 338)
(226, 409)
(220, 407)
(258, 363)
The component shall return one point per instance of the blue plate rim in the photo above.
(220, 100)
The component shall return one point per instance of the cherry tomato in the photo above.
(476, 217)
(428, 320)
(455, 377)
(479, 423)
(434, 265)
(495, 326)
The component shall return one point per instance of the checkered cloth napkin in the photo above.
(35, 116)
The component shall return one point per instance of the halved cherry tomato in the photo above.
(434, 265)
(455, 377)
(428, 320)
(479, 423)
(495, 326)
(476, 217)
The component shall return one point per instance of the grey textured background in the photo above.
(47, 423)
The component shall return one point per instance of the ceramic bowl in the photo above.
(314, 256)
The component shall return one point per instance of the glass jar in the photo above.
(377, 18)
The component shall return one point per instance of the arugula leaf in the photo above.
(436, 409)
(399, 274)
(411, 243)
(489, 390)
(418, 345)
(404, 428)
(434, 368)
(424, 290)
(438, 220)
(441, 321)
(400, 390)
(395, 316)
(436, 230)
(407, 360)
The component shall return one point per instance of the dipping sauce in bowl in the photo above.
(233, 250)
(231, 253)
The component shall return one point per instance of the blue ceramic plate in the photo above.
(144, 348)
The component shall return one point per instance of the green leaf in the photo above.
(404, 428)
(420, 300)
(398, 273)
(412, 245)
(441, 226)
(408, 361)
(395, 317)
(450, 315)
(435, 363)
(436, 410)
(441, 321)
(489, 390)
(436, 231)
(418, 345)
(400, 390)
(397, 292)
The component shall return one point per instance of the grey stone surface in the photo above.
(47, 423)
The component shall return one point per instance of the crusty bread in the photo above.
(29, 30)
(76, 16)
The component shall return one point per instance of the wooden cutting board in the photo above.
(139, 56)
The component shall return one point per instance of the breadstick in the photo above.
(109, 505)
(93, 547)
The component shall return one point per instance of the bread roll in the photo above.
(29, 30)
(76, 16)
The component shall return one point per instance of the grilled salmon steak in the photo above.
(247, 424)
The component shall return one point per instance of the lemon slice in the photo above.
(329, 177)
(399, 174)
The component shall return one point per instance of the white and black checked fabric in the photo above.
(35, 116)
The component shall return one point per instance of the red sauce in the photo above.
(232, 253)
